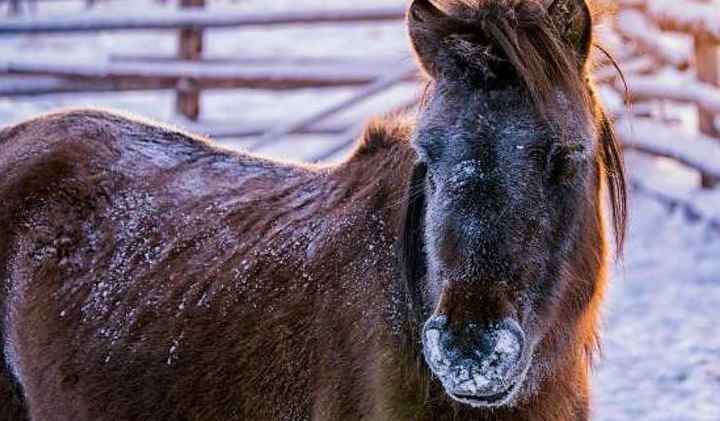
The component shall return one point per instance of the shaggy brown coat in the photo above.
(148, 275)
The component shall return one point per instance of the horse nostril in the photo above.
(501, 358)
(435, 335)
(508, 345)
(436, 322)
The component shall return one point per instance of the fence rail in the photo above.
(188, 73)
(204, 75)
(192, 18)
(646, 25)
(700, 18)
(643, 25)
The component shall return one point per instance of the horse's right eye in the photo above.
(561, 166)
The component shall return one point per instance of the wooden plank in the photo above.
(634, 25)
(708, 71)
(218, 76)
(649, 88)
(630, 67)
(15, 86)
(701, 153)
(375, 62)
(328, 64)
(194, 18)
(243, 128)
(351, 135)
(190, 46)
(700, 18)
(381, 84)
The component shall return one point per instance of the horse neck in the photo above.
(376, 181)
(368, 197)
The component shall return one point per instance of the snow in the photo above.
(662, 335)
(188, 69)
(698, 151)
(662, 317)
(676, 87)
(680, 191)
(695, 16)
(634, 24)
(170, 19)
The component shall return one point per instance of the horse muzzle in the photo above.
(481, 367)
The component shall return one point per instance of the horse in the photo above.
(452, 268)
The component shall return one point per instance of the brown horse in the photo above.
(449, 269)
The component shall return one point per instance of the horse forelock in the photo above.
(522, 34)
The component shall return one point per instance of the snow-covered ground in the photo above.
(662, 317)
(662, 326)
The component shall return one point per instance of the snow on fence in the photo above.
(633, 24)
(662, 70)
(193, 17)
(188, 74)
(203, 75)
(644, 41)
(701, 18)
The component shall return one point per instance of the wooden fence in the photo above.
(188, 72)
(645, 50)
(658, 71)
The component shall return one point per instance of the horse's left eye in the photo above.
(539, 156)
(560, 166)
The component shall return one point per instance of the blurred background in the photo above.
(296, 79)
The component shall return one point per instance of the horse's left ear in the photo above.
(573, 21)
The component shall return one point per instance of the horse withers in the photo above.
(451, 268)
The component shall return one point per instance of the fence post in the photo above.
(189, 48)
(708, 70)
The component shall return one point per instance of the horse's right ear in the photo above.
(573, 21)
(425, 23)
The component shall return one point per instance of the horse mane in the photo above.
(613, 165)
(523, 36)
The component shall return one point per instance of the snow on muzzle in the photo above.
(479, 367)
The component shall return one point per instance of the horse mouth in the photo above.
(495, 400)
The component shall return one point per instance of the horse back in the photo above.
(150, 275)
(120, 246)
